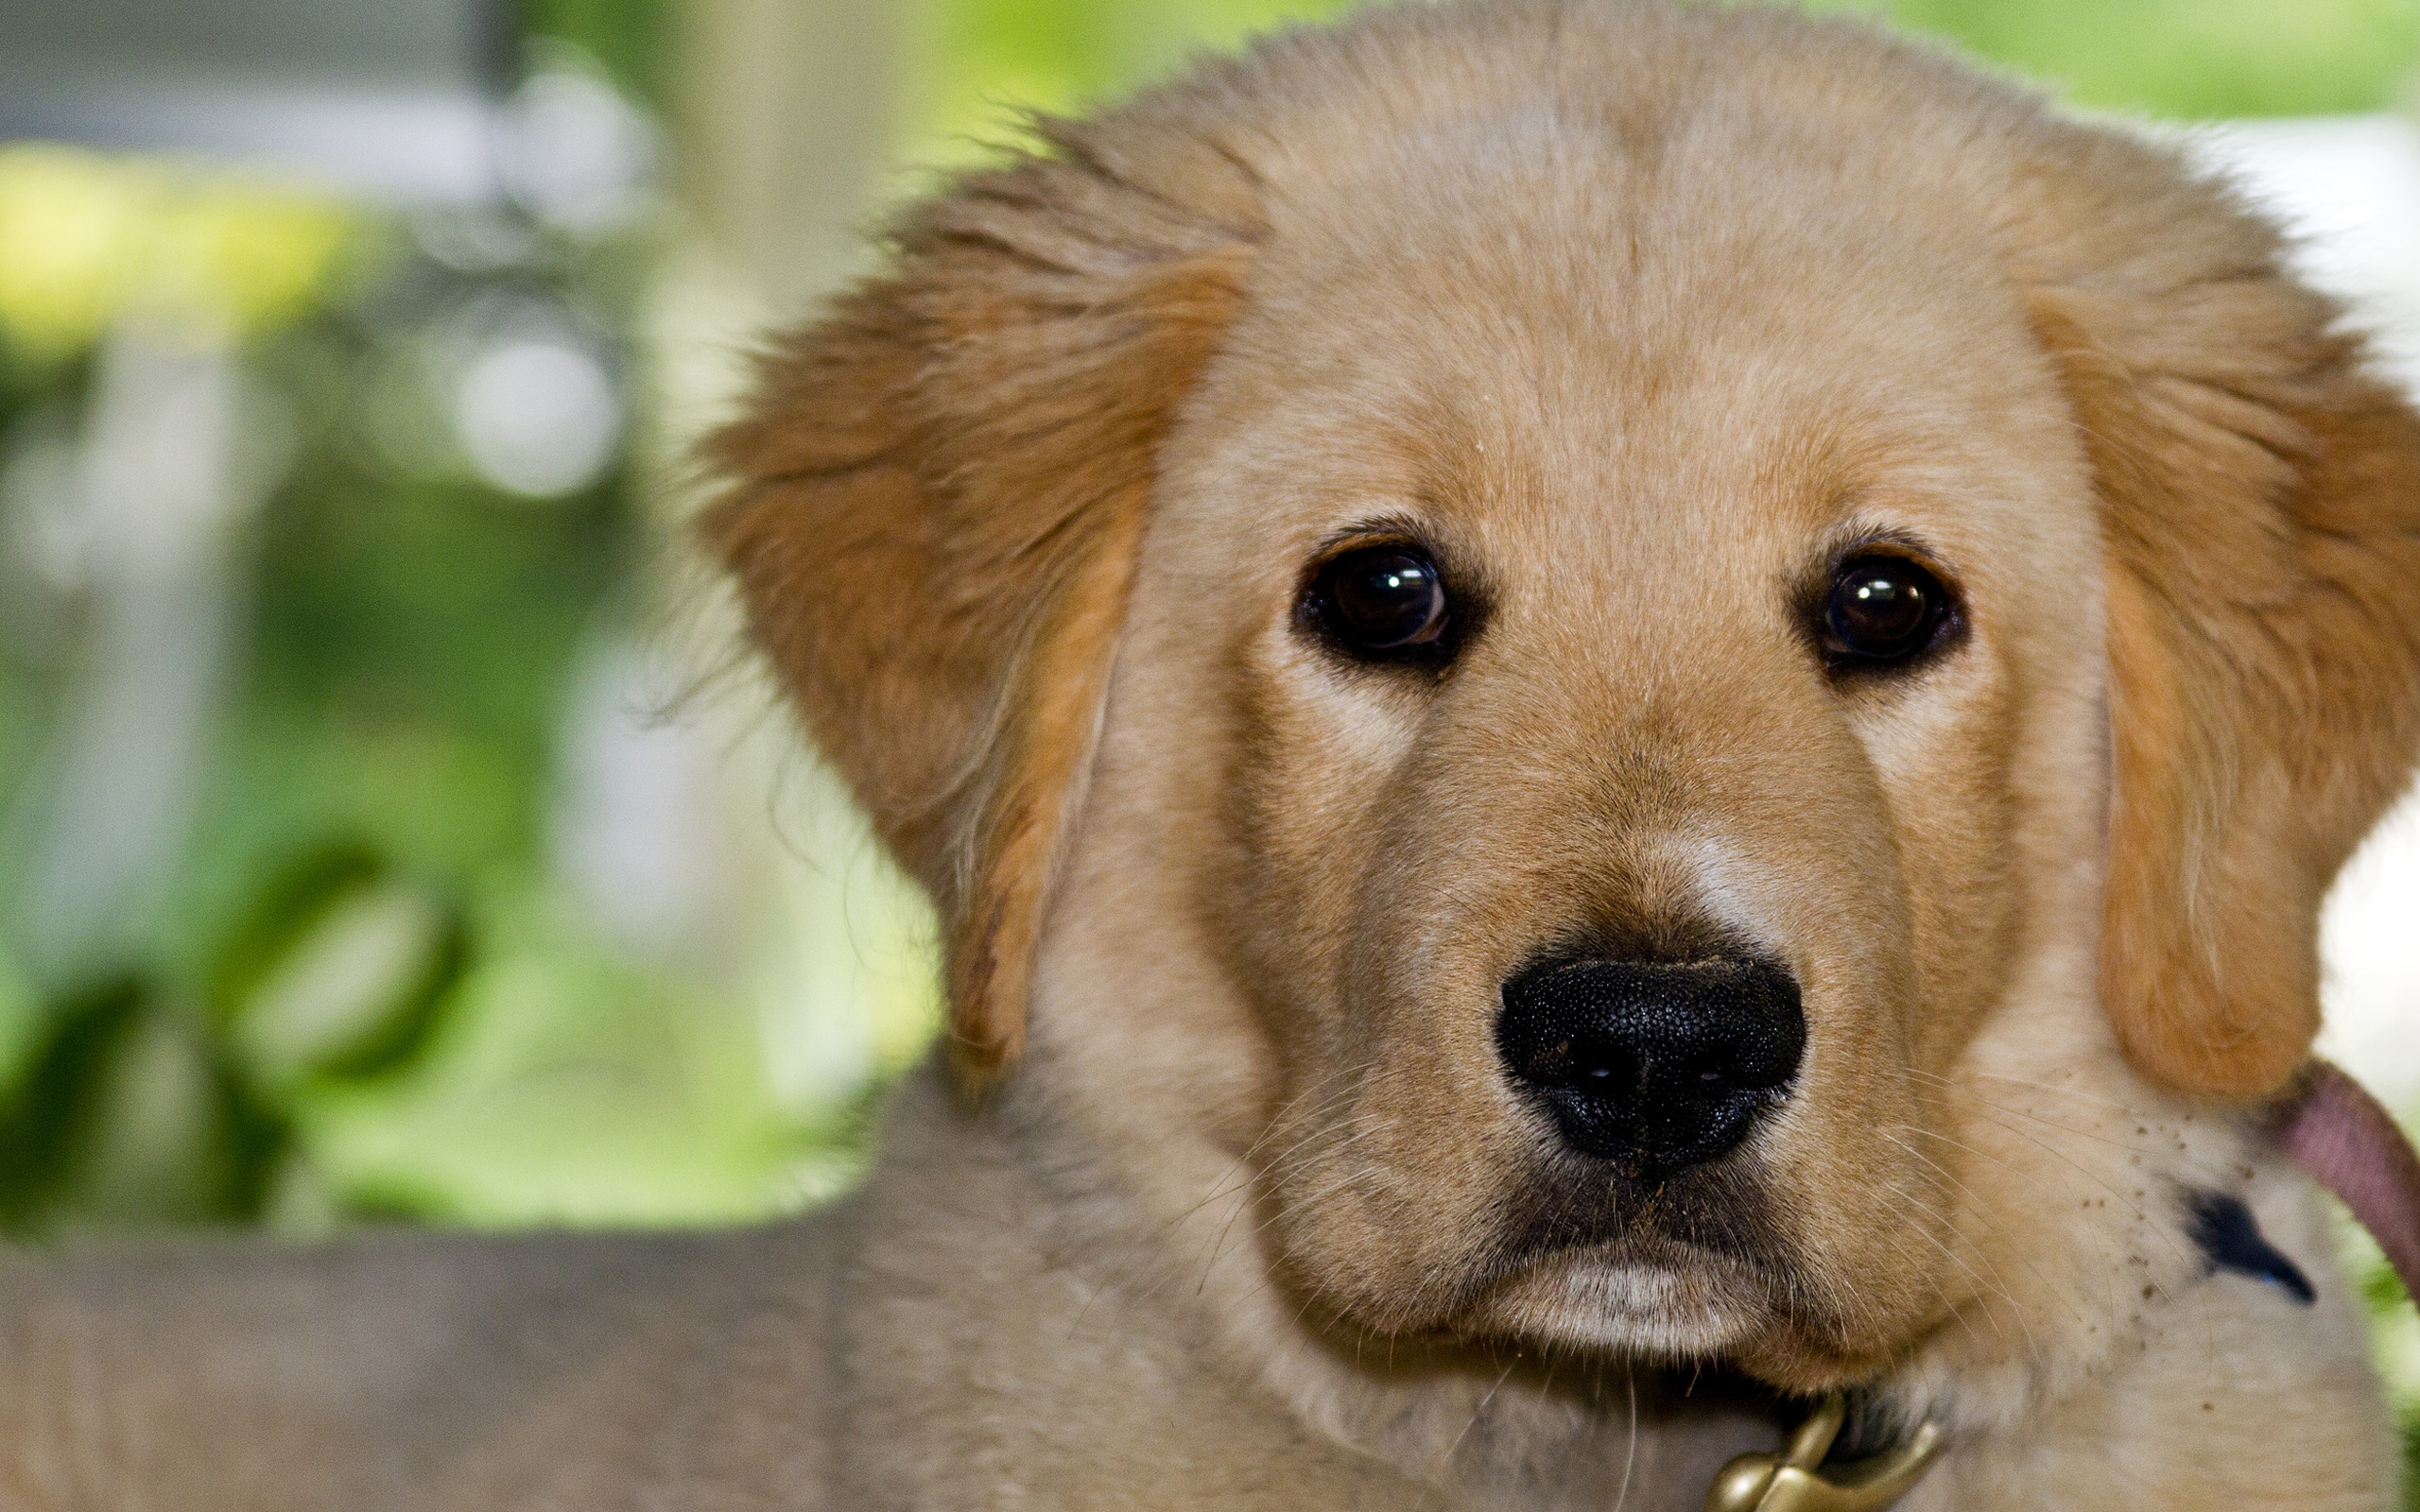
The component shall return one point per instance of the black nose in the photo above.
(1654, 1066)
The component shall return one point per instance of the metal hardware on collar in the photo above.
(1792, 1481)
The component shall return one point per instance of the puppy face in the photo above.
(1546, 628)
(1517, 575)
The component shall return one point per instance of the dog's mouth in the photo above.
(1651, 1296)
(1681, 1269)
(1723, 1210)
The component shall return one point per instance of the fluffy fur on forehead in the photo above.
(935, 499)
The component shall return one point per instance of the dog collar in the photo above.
(1796, 1481)
(2340, 1135)
(2328, 1124)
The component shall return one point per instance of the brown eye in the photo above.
(1883, 609)
(1382, 601)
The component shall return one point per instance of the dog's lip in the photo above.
(1647, 1252)
(1644, 1262)
(1664, 1293)
(1728, 1223)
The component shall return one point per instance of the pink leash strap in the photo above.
(2352, 1146)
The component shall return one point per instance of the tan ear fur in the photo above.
(2261, 511)
(935, 503)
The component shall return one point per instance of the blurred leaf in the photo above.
(339, 971)
(2382, 1289)
(989, 59)
(632, 38)
(69, 248)
(86, 238)
(355, 994)
(158, 1134)
(2411, 1462)
(127, 1119)
(43, 1107)
(21, 1026)
(253, 257)
(567, 1085)
(2194, 59)
(281, 910)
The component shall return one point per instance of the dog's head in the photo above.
(1546, 617)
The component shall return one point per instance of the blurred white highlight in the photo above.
(538, 416)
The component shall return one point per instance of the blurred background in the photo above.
(391, 829)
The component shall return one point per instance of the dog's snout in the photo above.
(1655, 1066)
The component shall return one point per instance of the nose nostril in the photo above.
(1598, 1067)
(1658, 1065)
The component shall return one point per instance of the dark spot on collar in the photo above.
(2230, 1239)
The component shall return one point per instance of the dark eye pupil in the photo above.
(1884, 609)
(1383, 598)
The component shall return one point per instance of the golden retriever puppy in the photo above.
(1622, 715)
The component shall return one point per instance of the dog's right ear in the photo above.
(936, 499)
(2261, 510)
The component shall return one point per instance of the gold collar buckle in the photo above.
(1792, 1481)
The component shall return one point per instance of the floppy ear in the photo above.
(2261, 495)
(935, 503)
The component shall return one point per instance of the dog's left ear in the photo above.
(2261, 510)
(935, 500)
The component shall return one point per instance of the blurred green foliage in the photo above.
(636, 41)
(129, 1108)
(987, 57)
(83, 245)
(2193, 59)
(2395, 1334)
(2189, 58)
(360, 990)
